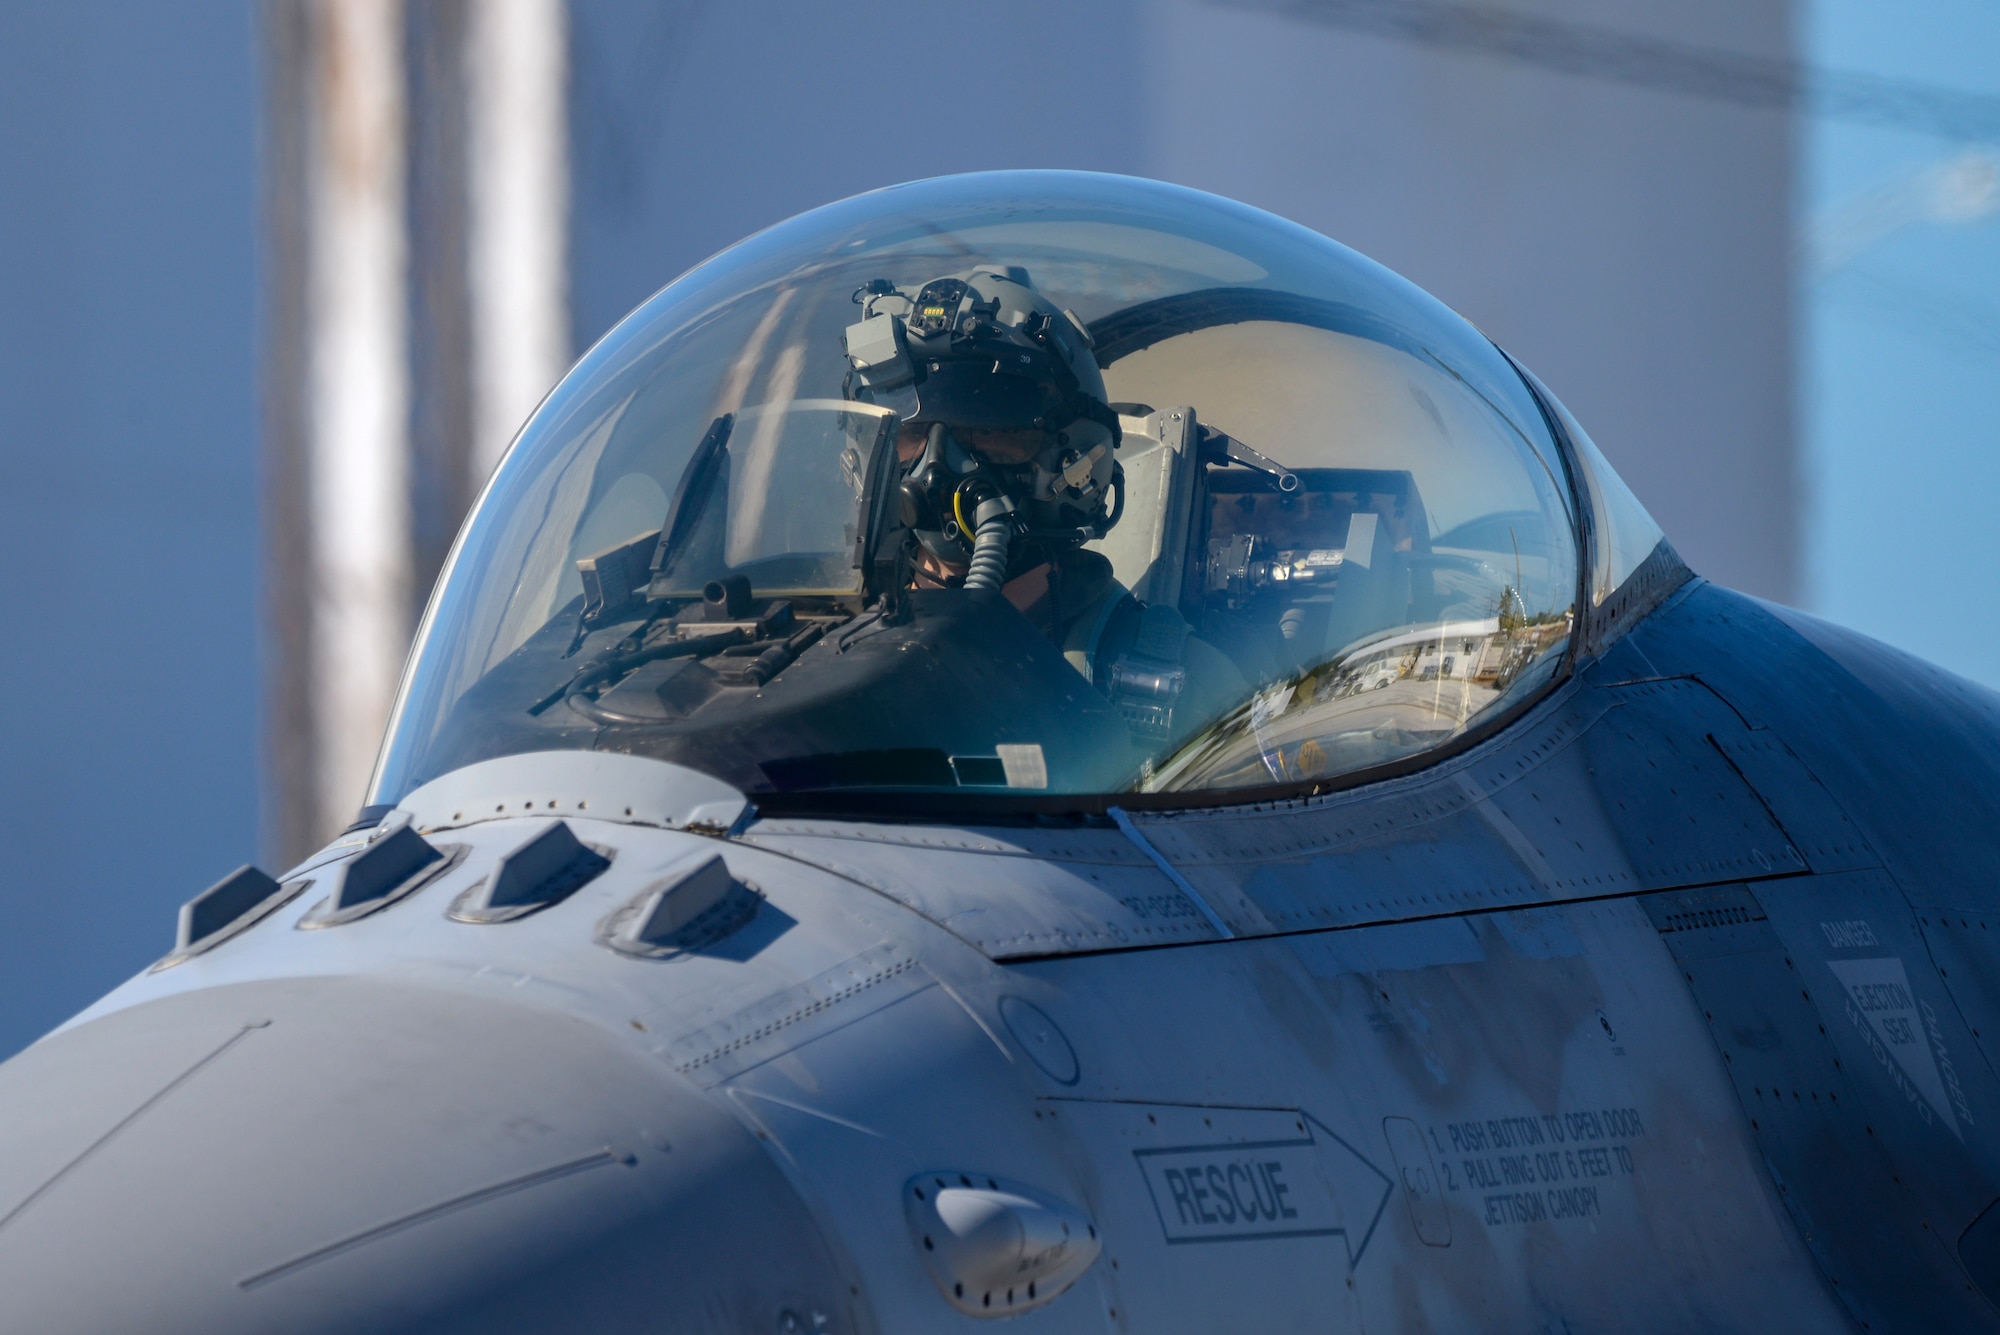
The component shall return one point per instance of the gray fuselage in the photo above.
(1672, 1006)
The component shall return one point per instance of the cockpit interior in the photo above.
(1116, 494)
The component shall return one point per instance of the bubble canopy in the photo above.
(1255, 515)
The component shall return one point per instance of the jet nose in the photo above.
(342, 1154)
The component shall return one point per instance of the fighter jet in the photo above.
(1050, 748)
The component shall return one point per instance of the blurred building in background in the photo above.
(417, 198)
(279, 279)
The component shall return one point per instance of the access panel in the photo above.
(1505, 1121)
(1844, 1126)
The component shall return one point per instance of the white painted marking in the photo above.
(1023, 765)
(1884, 1007)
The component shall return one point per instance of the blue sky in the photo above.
(1899, 307)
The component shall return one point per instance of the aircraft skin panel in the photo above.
(1010, 892)
(379, 1153)
(1816, 825)
(1857, 1079)
(1679, 765)
(1532, 817)
(1586, 1155)
(1546, 1022)
(1908, 752)
(917, 1088)
(1540, 826)
(1284, 1202)
(1586, 1163)
(1965, 946)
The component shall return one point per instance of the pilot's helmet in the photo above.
(999, 393)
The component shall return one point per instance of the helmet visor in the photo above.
(973, 396)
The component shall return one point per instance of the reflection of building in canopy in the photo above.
(1489, 654)
(1386, 697)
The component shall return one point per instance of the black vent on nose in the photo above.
(220, 907)
(546, 870)
(380, 869)
(689, 909)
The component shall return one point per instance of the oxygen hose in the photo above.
(989, 544)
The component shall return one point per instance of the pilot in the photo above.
(1007, 450)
